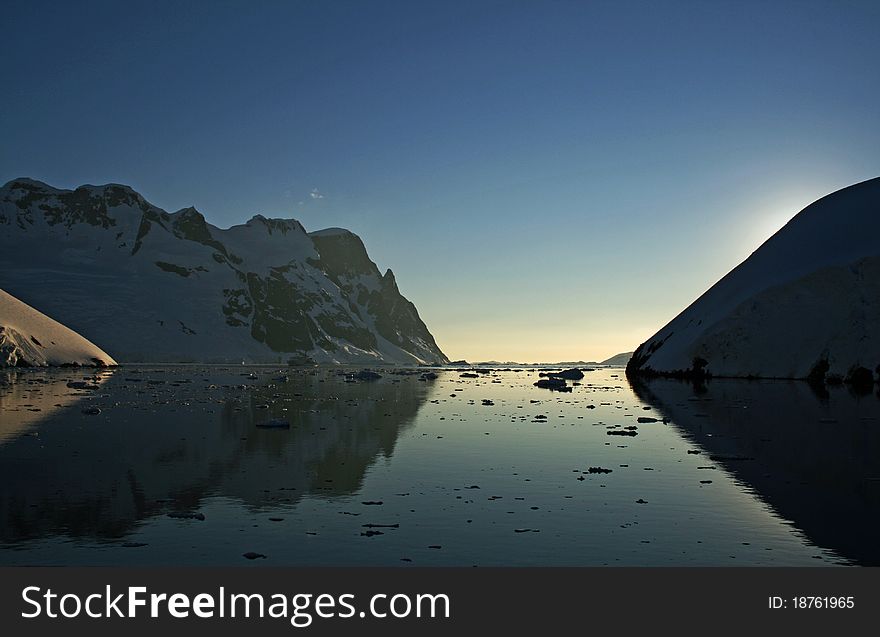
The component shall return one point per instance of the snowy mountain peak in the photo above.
(154, 286)
(189, 212)
(330, 232)
(108, 189)
(282, 226)
(26, 183)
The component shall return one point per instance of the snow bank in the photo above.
(29, 338)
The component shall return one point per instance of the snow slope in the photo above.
(29, 338)
(810, 293)
(154, 286)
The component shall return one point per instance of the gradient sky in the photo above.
(548, 180)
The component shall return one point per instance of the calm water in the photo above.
(398, 471)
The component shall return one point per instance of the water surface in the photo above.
(453, 471)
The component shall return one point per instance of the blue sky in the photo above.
(548, 180)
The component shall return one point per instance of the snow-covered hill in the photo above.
(807, 301)
(153, 286)
(29, 338)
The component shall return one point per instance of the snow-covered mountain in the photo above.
(29, 338)
(153, 286)
(804, 304)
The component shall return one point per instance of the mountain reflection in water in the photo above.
(179, 435)
(474, 469)
(812, 455)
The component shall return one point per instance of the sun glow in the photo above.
(766, 219)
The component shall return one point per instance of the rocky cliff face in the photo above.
(806, 304)
(153, 286)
